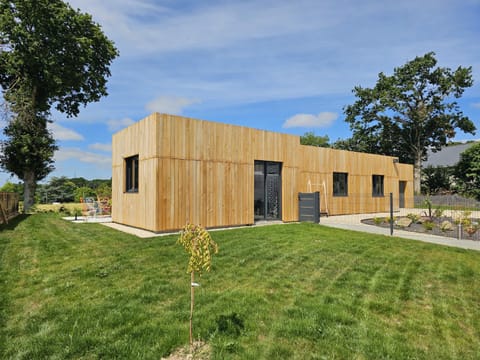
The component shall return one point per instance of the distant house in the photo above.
(170, 170)
(447, 156)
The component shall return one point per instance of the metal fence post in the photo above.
(391, 214)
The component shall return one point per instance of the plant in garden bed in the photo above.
(388, 219)
(462, 219)
(428, 225)
(428, 203)
(471, 228)
(438, 212)
(446, 226)
(414, 217)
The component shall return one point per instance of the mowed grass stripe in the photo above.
(297, 291)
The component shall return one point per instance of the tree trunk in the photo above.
(29, 186)
(417, 174)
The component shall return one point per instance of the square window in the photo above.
(377, 185)
(131, 174)
(340, 184)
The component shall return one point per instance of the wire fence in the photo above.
(451, 202)
(447, 216)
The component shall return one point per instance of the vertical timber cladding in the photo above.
(203, 172)
(135, 209)
(317, 168)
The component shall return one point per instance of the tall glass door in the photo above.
(268, 190)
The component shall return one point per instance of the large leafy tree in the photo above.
(28, 152)
(409, 112)
(50, 56)
(467, 171)
(436, 179)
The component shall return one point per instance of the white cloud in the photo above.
(101, 147)
(261, 50)
(114, 125)
(62, 133)
(323, 119)
(64, 154)
(200, 26)
(170, 104)
(476, 105)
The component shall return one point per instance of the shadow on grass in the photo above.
(13, 223)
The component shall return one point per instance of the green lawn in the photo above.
(298, 291)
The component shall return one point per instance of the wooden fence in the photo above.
(8, 206)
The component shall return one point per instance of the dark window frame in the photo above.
(378, 185)
(131, 174)
(340, 184)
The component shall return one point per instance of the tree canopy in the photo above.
(409, 112)
(467, 171)
(50, 56)
(63, 189)
(309, 138)
(53, 53)
(31, 147)
(436, 179)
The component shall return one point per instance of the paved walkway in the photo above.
(353, 222)
(347, 222)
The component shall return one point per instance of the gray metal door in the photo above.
(401, 198)
(309, 207)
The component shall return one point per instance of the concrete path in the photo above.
(353, 222)
(347, 222)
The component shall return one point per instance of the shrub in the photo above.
(428, 203)
(463, 218)
(446, 226)
(438, 212)
(471, 229)
(428, 225)
(388, 218)
(414, 217)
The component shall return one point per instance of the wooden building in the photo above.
(170, 170)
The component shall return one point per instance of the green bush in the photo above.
(428, 225)
(414, 217)
(438, 212)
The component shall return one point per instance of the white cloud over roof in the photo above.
(170, 104)
(115, 125)
(323, 119)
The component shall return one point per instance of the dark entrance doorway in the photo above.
(402, 185)
(268, 190)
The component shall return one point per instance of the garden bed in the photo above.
(436, 225)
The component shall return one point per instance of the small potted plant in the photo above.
(76, 213)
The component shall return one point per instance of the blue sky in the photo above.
(279, 65)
